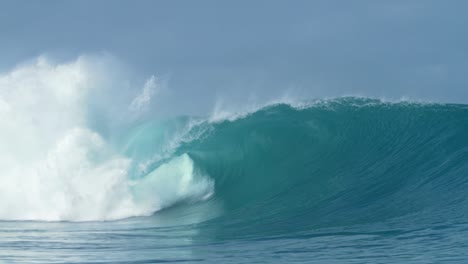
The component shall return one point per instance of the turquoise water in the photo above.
(349, 180)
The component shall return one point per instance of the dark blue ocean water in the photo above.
(348, 180)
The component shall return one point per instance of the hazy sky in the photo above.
(239, 50)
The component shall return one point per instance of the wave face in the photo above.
(342, 162)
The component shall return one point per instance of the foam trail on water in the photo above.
(56, 166)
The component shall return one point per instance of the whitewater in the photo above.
(91, 174)
(57, 167)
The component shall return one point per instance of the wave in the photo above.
(278, 168)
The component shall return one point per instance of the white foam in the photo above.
(55, 167)
(224, 112)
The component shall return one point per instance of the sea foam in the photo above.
(56, 166)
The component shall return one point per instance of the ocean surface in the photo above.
(346, 180)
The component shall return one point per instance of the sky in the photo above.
(237, 52)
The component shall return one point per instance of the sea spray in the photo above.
(59, 161)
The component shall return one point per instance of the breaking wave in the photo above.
(278, 168)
